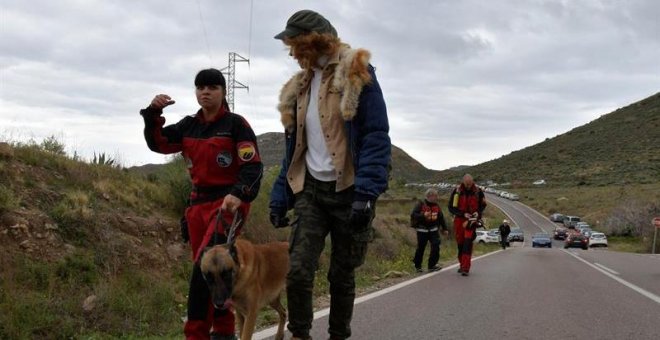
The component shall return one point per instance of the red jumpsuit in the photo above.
(222, 158)
(465, 200)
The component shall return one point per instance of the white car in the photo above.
(484, 236)
(597, 239)
(514, 197)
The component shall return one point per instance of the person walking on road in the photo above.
(335, 166)
(467, 203)
(505, 230)
(220, 150)
(427, 218)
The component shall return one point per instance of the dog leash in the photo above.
(236, 221)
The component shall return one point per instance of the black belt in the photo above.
(201, 195)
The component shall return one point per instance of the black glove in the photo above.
(278, 218)
(362, 212)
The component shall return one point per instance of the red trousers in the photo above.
(202, 316)
(464, 242)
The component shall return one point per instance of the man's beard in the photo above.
(305, 63)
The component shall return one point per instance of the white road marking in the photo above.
(538, 213)
(269, 332)
(638, 289)
(605, 268)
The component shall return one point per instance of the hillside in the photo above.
(404, 167)
(617, 148)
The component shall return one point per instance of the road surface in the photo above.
(519, 293)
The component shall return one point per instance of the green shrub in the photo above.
(103, 159)
(78, 269)
(8, 199)
(53, 145)
(75, 225)
(174, 177)
(33, 274)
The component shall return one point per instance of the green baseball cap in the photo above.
(306, 21)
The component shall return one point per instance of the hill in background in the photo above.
(404, 167)
(271, 147)
(618, 148)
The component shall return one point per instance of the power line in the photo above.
(250, 31)
(206, 38)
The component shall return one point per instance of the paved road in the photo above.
(521, 293)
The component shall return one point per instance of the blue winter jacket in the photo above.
(370, 146)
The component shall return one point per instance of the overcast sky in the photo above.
(464, 81)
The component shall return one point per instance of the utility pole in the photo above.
(232, 83)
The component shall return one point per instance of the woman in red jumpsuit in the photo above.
(220, 151)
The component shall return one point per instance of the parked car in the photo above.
(597, 240)
(516, 234)
(571, 221)
(541, 240)
(484, 236)
(576, 241)
(586, 231)
(560, 233)
(557, 217)
(514, 197)
(582, 224)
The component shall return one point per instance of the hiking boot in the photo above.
(465, 273)
(216, 336)
(419, 270)
(459, 270)
(435, 268)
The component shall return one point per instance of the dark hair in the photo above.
(210, 76)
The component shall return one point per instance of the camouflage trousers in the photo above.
(322, 211)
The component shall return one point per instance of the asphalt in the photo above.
(520, 293)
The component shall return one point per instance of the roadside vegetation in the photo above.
(92, 250)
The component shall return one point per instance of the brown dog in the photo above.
(252, 276)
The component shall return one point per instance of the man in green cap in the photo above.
(335, 166)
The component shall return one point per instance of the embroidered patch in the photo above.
(246, 151)
(224, 159)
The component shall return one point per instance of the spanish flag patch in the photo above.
(246, 151)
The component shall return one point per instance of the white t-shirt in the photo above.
(317, 158)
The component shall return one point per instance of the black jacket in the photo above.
(221, 155)
(505, 230)
(421, 222)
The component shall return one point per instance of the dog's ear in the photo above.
(201, 255)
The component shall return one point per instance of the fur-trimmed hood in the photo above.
(351, 74)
